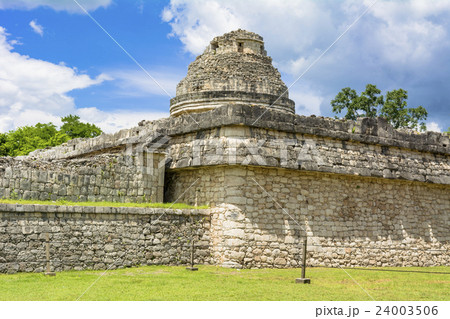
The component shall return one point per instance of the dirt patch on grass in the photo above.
(382, 280)
(140, 273)
(439, 282)
(226, 273)
(157, 272)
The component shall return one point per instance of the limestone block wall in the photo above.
(243, 145)
(349, 220)
(116, 178)
(99, 237)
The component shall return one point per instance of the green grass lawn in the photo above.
(215, 283)
(102, 204)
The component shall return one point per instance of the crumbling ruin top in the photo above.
(234, 68)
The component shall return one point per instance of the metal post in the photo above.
(196, 197)
(192, 268)
(305, 245)
(192, 253)
(304, 280)
(47, 255)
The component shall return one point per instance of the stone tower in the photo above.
(233, 69)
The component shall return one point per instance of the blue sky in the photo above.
(54, 60)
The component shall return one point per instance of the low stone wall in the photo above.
(99, 237)
(256, 229)
(110, 177)
(349, 220)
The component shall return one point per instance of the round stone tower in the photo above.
(234, 68)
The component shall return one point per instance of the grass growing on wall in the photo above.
(215, 283)
(101, 204)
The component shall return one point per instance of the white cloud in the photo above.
(33, 90)
(288, 27)
(307, 101)
(194, 24)
(409, 31)
(113, 121)
(37, 28)
(59, 5)
(298, 31)
(433, 126)
(27, 117)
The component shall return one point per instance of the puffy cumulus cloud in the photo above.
(59, 5)
(111, 122)
(395, 44)
(37, 28)
(33, 90)
(296, 32)
(283, 23)
(194, 24)
(26, 117)
(307, 100)
(407, 32)
(433, 126)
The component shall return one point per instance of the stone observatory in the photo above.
(233, 69)
(361, 192)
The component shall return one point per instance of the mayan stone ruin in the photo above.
(363, 193)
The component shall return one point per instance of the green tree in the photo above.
(26, 139)
(74, 128)
(365, 105)
(371, 104)
(29, 138)
(395, 111)
(3, 149)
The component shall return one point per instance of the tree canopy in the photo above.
(26, 139)
(371, 103)
(73, 128)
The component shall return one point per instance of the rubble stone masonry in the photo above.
(81, 237)
(349, 220)
(107, 177)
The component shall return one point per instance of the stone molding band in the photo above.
(204, 101)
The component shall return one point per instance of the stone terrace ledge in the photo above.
(365, 130)
(37, 208)
(104, 143)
